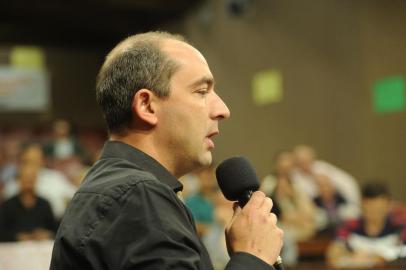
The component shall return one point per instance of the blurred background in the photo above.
(329, 74)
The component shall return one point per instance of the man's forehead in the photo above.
(181, 51)
(195, 70)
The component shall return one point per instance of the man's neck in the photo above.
(146, 144)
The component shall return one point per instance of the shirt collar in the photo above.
(117, 149)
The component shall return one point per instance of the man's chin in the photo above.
(206, 159)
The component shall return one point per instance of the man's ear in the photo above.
(142, 106)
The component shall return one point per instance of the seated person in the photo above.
(372, 240)
(64, 144)
(214, 238)
(294, 208)
(201, 203)
(51, 184)
(26, 216)
(330, 205)
(283, 164)
(307, 165)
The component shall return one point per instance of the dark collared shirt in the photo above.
(126, 215)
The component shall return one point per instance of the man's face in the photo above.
(188, 118)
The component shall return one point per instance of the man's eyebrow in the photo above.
(204, 80)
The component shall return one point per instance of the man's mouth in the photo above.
(209, 139)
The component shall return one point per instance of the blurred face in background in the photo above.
(61, 129)
(375, 210)
(32, 156)
(27, 179)
(304, 158)
(284, 164)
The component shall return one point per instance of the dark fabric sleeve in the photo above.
(244, 261)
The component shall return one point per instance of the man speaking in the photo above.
(157, 96)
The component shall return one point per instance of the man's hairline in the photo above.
(158, 42)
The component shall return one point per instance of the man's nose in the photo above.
(219, 110)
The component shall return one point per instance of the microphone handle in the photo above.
(245, 197)
(278, 265)
(242, 201)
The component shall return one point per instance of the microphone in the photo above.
(237, 180)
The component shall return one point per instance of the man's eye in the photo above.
(202, 92)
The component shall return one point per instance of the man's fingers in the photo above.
(256, 200)
(261, 202)
(273, 218)
(266, 206)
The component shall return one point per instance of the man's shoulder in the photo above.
(106, 196)
(113, 176)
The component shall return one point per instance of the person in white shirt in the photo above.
(307, 167)
(51, 184)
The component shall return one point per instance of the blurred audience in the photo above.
(51, 184)
(372, 240)
(330, 205)
(200, 203)
(26, 216)
(214, 238)
(9, 151)
(63, 145)
(65, 153)
(307, 166)
(282, 167)
(295, 210)
(211, 211)
(310, 196)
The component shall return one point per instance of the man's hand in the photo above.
(253, 229)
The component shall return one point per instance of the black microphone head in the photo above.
(235, 177)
